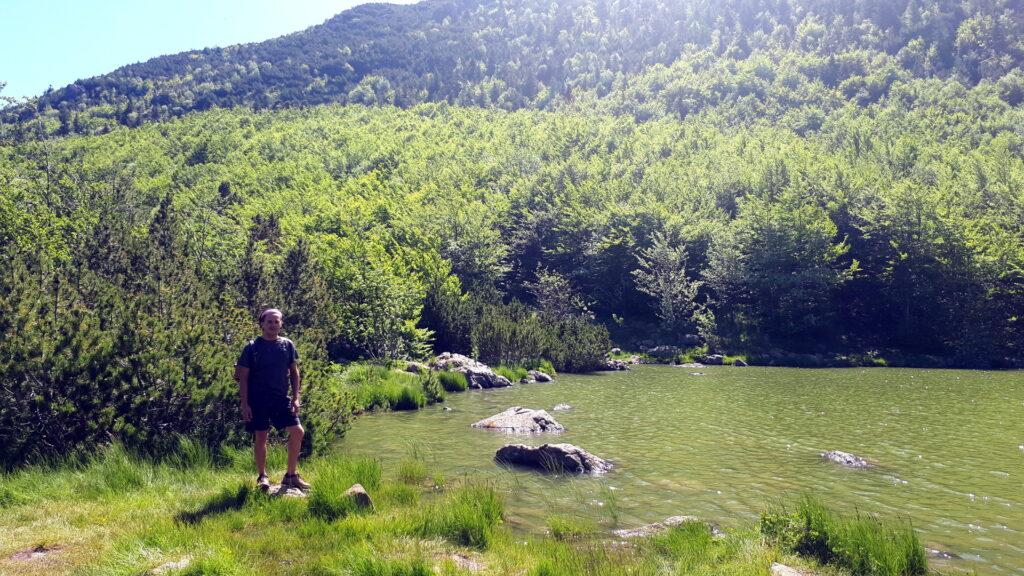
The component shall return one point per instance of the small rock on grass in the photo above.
(279, 491)
(360, 496)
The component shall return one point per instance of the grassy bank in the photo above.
(116, 515)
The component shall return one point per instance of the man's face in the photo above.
(271, 325)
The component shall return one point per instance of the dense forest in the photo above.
(832, 181)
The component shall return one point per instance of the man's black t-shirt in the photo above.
(268, 362)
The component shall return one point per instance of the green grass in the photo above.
(513, 373)
(467, 517)
(570, 528)
(691, 355)
(380, 387)
(453, 381)
(387, 567)
(865, 545)
(119, 515)
(542, 364)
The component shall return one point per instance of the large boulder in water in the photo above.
(845, 459)
(478, 374)
(538, 376)
(553, 458)
(519, 420)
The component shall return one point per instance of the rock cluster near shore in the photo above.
(478, 374)
(519, 420)
(553, 458)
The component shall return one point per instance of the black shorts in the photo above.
(267, 411)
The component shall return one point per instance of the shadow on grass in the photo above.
(228, 499)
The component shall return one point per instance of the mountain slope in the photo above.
(527, 53)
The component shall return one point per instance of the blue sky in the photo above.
(55, 42)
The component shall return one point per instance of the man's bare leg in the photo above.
(260, 451)
(295, 434)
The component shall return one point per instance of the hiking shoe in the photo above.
(263, 483)
(294, 481)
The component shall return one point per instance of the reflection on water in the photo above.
(949, 448)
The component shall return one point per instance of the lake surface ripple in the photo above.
(948, 447)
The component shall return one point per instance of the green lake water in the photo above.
(948, 447)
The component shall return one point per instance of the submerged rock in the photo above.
(658, 527)
(553, 458)
(845, 459)
(478, 374)
(942, 555)
(561, 407)
(519, 420)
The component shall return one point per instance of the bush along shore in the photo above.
(195, 512)
(619, 359)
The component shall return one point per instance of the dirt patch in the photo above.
(169, 566)
(34, 553)
(466, 562)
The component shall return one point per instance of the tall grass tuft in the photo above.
(453, 381)
(466, 517)
(380, 387)
(690, 544)
(327, 497)
(863, 544)
(191, 454)
(114, 471)
(542, 364)
(387, 567)
(568, 528)
(513, 373)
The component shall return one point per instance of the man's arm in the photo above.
(242, 375)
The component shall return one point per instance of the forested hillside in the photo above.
(644, 57)
(843, 181)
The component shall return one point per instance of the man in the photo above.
(264, 370)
